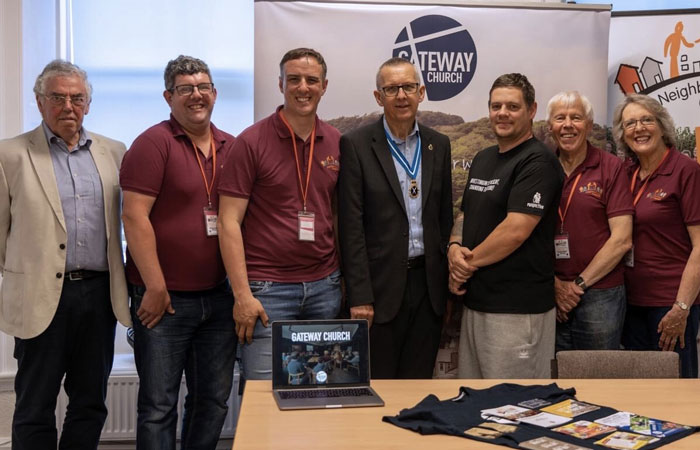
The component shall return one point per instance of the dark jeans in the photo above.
(640, 334)
(596, 322)
(79, 343)
(198, 339)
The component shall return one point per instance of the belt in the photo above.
(417, 262)
(77, 275)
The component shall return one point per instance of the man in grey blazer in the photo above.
(395, 216)
(63, 283)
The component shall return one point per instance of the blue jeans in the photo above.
(640, 334)
(287, 301)
(198, 339)
(596, 322)
(79, 342)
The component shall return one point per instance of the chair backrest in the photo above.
(615, 364)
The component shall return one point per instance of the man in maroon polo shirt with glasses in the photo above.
(181, 302)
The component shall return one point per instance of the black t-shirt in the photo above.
(526, 179)
(461, 416)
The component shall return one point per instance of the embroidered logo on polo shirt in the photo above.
(657, 195)
(535, 203)
(591, 188)
(331, 163)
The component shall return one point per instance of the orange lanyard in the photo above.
(644, 186)
(207, 186)
(304, 189)
(568, 201)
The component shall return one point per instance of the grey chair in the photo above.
(615, 364)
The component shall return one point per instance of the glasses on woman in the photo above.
(646, 121)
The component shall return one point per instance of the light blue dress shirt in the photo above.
(80, 189)
(414, 206)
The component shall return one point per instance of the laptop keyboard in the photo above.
(326, 393)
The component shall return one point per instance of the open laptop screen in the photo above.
(320, 353)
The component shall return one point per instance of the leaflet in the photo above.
(627, 421)
(546, 443)
(626, 441)
(570, 408)
(584, 429)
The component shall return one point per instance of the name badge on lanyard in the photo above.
(561, 239)
(306, 219)
(561, 246)
(629, 258)
(210, 218)
(210, 214)
(307, 226)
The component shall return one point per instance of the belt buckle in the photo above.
(76, 275)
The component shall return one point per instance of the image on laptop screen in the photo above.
(320, 353)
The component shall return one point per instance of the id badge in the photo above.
(629, 258)
(307, 226)
(210, 217)
(561, 246)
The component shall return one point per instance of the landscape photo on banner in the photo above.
(659, 55)
(460, 51)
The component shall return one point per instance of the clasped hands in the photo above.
(459, 263)
(566, 295)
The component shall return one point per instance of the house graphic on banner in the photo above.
(628, 79)
(651, 72)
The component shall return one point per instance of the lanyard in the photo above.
(412, 171)
(644, 186)
(207, 186)
(304, 189)
(568, 201)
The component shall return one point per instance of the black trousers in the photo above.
(79, 343)
(406, 346)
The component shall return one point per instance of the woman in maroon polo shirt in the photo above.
(593, 232)
(663, 273)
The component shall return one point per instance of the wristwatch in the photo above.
(681, 305)
(580, 283)
(451, 243)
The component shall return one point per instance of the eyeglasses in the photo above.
(646, 121)
(59, 99)
(188, 89)
(393, 91)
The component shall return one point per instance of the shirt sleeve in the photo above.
(143, 166)
(619, 198)
(536, 188)
(689, 201)
(238, 176)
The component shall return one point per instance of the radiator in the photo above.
(122, 392)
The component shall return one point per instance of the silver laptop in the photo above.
(321, 364)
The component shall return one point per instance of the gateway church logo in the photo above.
(444, 51)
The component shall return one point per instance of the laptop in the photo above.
(321, 364)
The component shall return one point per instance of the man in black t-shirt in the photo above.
(501, 247)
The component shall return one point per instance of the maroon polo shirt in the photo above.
(161, 163)
(262, 169)
(601, 193)
(662, 245)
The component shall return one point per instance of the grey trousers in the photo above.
(506, 345)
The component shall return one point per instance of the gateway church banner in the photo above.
(659, 55)
(460, 51)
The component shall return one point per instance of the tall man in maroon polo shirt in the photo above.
(180, 299)
(277, 195)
